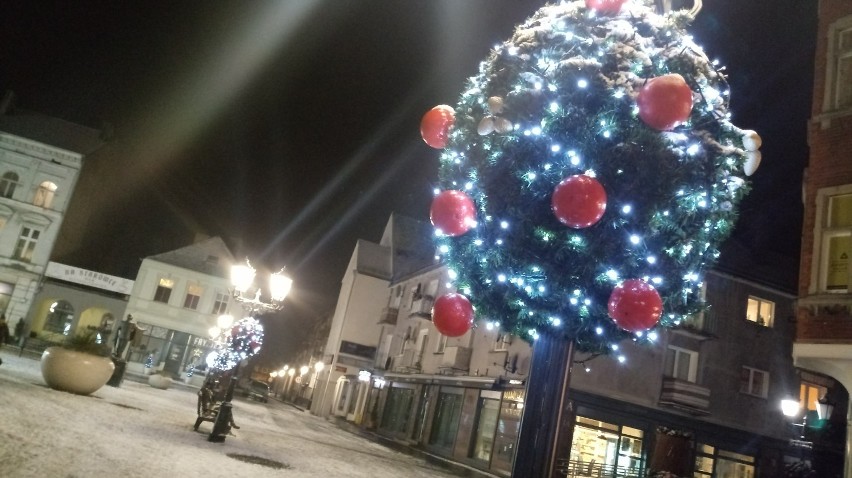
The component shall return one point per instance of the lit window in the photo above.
(164, 290)
(760, 311)
(839, 65)
(44, 194)
(8, 183)
(754, 382)
(193, 295)
(220, 306)
(681, 364)
(810, 394)
(26, 244)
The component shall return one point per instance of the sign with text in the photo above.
(85, 277)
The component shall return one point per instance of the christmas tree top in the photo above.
(588, 176)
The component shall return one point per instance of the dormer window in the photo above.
(45, 194)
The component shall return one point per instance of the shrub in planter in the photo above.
(80, 364)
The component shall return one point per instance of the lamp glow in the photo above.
(790, 407)
(279, 285)
(242, 276)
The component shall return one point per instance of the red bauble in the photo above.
(665, 102)
(579, 201)
(605, 6)
(435, 125)
(452, 314)
(635, 305)
(453, 212)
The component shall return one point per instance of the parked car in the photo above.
(259, 391)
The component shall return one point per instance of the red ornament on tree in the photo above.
(435, 125)
(579, 201)
(605, 6)
(452, 314)
(453, 212)
(635, 305)
(665, 102)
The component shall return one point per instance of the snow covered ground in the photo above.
(139, 431)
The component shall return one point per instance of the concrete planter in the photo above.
(75, 372)
(159, 381)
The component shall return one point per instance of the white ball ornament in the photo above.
(752, 162)
(751, 140)
(486, 126)
(502, 125)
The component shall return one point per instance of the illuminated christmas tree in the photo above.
(589, 174)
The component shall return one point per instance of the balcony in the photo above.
(821, 322)
(456, 358)
(407, 361)
(421, 306)
(389, 315)
(687, 396)
(702, 326)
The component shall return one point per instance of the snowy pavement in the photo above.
(138, 431)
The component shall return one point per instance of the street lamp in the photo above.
(242, 278)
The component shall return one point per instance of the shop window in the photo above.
(26, 244)
(508, 428)
(164, 290)
(487, 411)
(606, 449)
(59, 318)
(760, 311)
(395, 418)
(446, 422)
(193, 295)
(44, 194)
(681, 364)
(712, 462)
(8, 183)
(734, 465)
(754, 382)
(704, 459)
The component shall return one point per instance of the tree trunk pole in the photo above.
(546, 424)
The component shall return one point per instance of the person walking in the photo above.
(19, 330)
(4, 330)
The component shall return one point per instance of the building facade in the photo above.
(824, 314)
(40, 161)
(710, 389)
(177, 297)
(72, 300)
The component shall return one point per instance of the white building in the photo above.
(176, 299)
(40, 161)
(355, 333)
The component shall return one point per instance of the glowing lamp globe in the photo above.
(453, 212)
(435, 125)
(635, 305)
(452, 314)
(665, 102)
(579, 201)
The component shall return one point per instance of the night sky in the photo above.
(291, 128)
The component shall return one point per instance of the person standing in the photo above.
(19, 330)
(4, 330)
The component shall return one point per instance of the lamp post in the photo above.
(242, 278)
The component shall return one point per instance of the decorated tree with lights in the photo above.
(589, 173)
